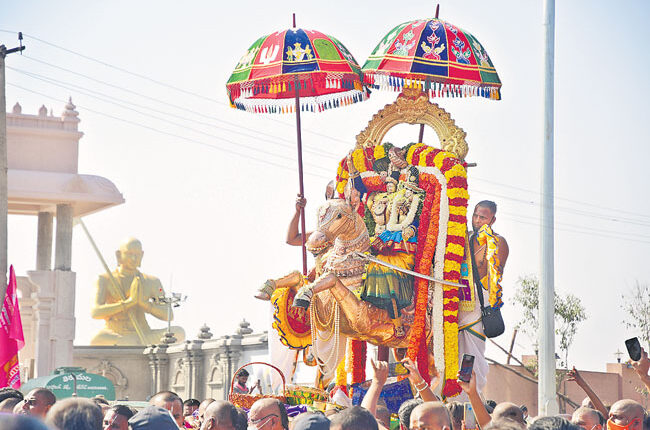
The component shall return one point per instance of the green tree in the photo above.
(569, 313)
(636, 305)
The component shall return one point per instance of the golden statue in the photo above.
(122, 299)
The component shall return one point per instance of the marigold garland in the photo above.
(342, 376)
(457, 195)
(358, 361)
(487, 237)
(421, 155)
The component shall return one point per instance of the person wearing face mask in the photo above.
(626, 414)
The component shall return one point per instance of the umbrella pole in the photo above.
(296, 84)
(426, 90)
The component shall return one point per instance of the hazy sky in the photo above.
(212, 203)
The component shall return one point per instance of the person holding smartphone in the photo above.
(641, 367)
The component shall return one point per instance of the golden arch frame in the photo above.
(413, 107)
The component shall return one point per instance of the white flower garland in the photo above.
(392, 221)
(436, 296)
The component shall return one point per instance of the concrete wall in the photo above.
(619, 382)
(126, 366)
(197, 368)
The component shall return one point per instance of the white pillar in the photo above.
(546, 397)
(55, 322)
(44, 242)
(63, 251)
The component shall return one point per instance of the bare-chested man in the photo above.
(471, 338)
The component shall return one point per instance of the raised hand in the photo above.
(641, 367)
(301, 202)
(380, 369)
(414, 374)
(468, 387)
(575, 376)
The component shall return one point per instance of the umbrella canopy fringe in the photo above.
(436, 89)
(307, 104)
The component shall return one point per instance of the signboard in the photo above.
(65, 382)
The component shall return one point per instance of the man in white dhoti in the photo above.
(490, 252)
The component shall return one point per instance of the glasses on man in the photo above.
(260, 422)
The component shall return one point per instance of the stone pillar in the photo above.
(159, 366)
(193, 362)
(55, 321)
(63, 251)
(44, 242)
(229, 357)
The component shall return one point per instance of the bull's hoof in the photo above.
(303, 298)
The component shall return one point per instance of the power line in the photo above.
(157, 82)
(252, 148)
(248, 157)
(566, 209)
(588, 233)
(527, 190)
(581, 227)
(569, 210)
(168, 104)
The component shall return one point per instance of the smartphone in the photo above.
(397, 369)
(634, 348)
(466, 367)
(469, 417)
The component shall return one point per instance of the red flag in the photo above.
(11, 336)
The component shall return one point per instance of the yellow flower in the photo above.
(423, 156)
(439, 158)
(451, 266)
(358, 159)
(454, 248)
(457, 210)
(380, 152)
(456, 170)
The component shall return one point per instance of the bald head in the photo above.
(626, 412)
(510, 411)
(430, 415)
(170, 401)
(129, 256)
(203, 406)
(219, 415)
(587, 418)
(269, 411)
(130, 243)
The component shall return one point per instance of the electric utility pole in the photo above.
(4, 198)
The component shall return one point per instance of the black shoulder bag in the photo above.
(493, 325)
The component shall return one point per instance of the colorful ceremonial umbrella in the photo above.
(293, 70)
(444, 61)
(441, 58)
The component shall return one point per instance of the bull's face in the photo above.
(335, 218)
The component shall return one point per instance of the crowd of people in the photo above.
(40, 410)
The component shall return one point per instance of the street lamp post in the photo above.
(173, 300)
(546, 397)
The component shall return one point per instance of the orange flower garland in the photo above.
(431, 220)
(455, 174)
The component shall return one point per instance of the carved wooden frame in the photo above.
(413, 107)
